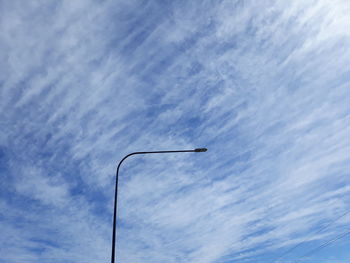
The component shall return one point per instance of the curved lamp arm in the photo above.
(116, 190)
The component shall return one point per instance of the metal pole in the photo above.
(116, 191)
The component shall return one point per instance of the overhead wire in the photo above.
(307, 239)
(325, 244)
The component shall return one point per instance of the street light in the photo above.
(116, 190)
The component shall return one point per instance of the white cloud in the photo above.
(263, 85)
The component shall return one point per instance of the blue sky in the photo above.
(264, 85)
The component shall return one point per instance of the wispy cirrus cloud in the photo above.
(265, 86)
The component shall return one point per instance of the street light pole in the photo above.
(116, 190)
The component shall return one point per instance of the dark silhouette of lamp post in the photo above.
(116, 190)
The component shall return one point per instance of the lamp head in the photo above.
(200, 150)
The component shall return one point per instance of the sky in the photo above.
(264, 85)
